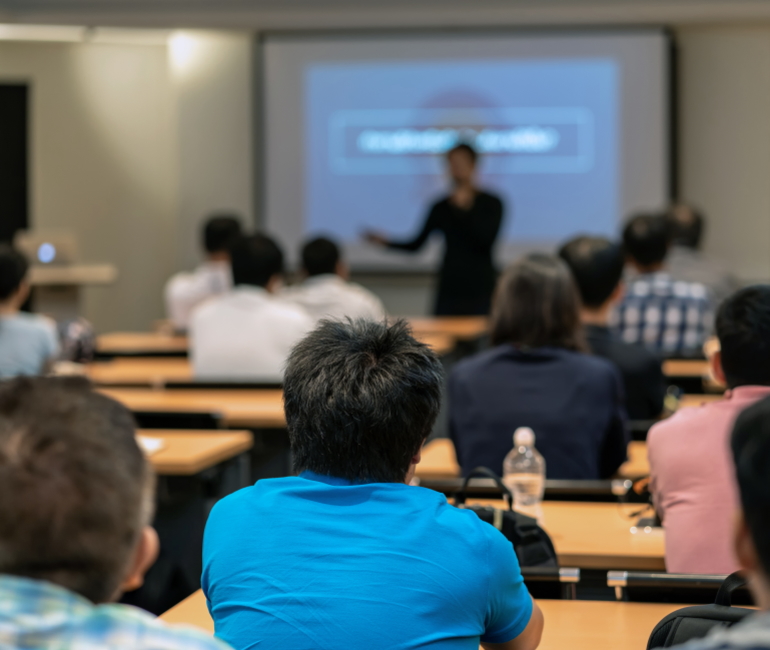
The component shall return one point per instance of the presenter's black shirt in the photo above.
(468, 274)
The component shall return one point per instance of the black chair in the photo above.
(551, 582)
(659, 587)
(177, 420)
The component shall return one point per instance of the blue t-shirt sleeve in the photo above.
(509, 605)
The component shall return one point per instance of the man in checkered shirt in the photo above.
(669, 316)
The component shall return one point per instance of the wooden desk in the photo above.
(573, 624)
(440, 461)
(598, 535)
(186, 453)
(461, 328)
(140, 371)
(136, 344)
(686, 368)
(238, 408)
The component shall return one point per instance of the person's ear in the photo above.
(22, 293)
(618, 293)
(342, 270)
(743, 545)
(716, 367)
(145, 554)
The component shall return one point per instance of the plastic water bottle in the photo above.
(524, 470)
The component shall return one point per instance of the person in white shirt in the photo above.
(29, 343)
(326, 292)
(185, 291)
(248, 332)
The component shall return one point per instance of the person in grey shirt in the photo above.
(28, 342)
(751, 453)
(686, 261)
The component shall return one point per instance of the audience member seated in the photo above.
(28, 343)
(325, 291)
(597, 266)
(538, 376)
(687, 262)
(692, 479)
(248, 332)
(348, 554)
(77, 500)
(670, 317)
(751, 536)
(185, 291)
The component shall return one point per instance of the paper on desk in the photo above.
(150, 446)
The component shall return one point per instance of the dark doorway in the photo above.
(14, 180)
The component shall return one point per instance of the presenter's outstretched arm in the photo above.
(529, 639)
(431, 224)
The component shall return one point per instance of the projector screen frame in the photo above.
(669, 90)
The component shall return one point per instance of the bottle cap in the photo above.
(524, 437)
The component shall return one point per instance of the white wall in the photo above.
(213, 81)
(725, 141)
(103, 164)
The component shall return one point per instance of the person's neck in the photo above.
(599, 317)
(760, 590)
(645, 269)
(9, 308)
(218, 257)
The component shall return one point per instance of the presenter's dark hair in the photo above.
(686, 225)
(360, 398)
(76, 489)
(255, 259)
(220, 231)
(751, 455)
(743, 330)
(320, 256)
(597, 266)
(646, 238)
(465, 148)
(536, 304)
(13, 270)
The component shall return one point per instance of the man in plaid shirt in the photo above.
(669, 316)
(76, 497)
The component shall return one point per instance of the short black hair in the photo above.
(743, 330)
(255, 259)
(465, 148)
(76, 489)
(646, 238)
(13, 269)
(686, 225)
(319, 256)
(360, 398)
(220, 231)
(751, 454)
(597, 266)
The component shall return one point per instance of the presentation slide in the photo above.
(357, 136)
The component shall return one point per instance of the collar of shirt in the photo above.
(747, 393)
(337, 481)
(323, 278)
(22, 597)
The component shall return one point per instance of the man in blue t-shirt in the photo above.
(348, 554)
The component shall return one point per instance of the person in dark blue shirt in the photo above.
(537, 375)
(348, 554)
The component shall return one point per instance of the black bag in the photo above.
(532, 545)
(696, 622)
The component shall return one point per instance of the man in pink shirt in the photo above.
(693, 480)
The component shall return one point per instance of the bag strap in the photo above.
(487, 473)
(732, 582)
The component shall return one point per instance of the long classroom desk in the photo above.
(569, 624)
(439, 461)
(440, 337)
(186, 453)
(256, 408)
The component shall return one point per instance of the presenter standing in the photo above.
(470, 221)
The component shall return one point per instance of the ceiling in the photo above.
(277, 14)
